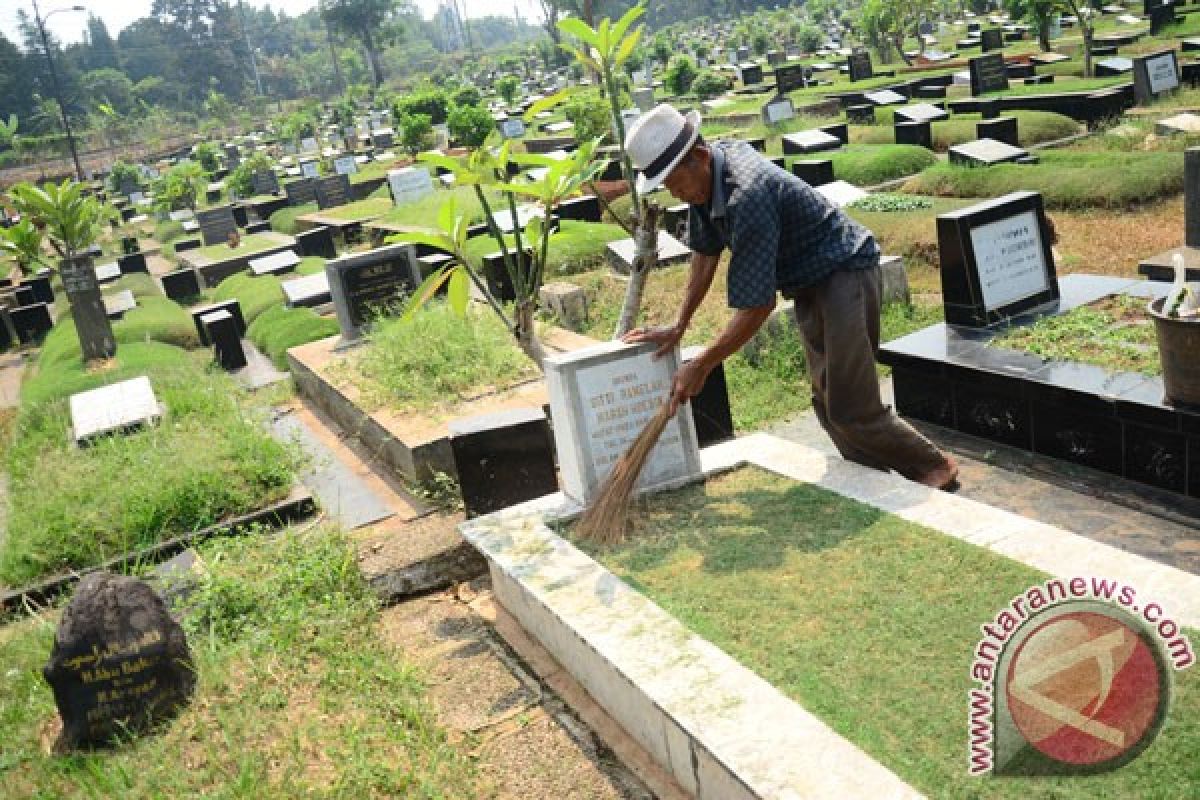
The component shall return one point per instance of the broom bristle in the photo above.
(605, 521)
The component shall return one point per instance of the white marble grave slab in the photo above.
(107, 272)
(921, 112)
(275, 264)
(841, 193)
(115, 305)
(886, 97)
(1180, 123)
(114, 407)
(311, 290)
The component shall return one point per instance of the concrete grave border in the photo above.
(715, 726)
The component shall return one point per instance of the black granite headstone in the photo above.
(300, 192)
(838, 130)
(232, 306)
(222, 332)
(7, 337)
(996, 260)
(814, 172)
(120, 662)
(914, 133)
(1154, 75)
(859, 64)
(862, 114)
(498, 280)
(332, 190)
(750, 73)
(40, 286)
(987, 74)
(87, 308)
(710, 408)
(181, 285)
(503, 459)
(132, 263)
(992, 39)
(31, 322)
(265, 181)
(216, 224)
(260, 226)
(1002, 129)
(362, 284)
(183, 245)
(317, 242)
(585, 208)
(789, 79)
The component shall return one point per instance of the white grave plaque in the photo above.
(309, 169)
(1162, 73)
(779, 110)
(112, 408)
(345, 165)
(1009, 259)
(513, 128)
(601, 398)
(409, 184)
(309, 145)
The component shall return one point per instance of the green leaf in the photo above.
(458, 293)
(627, 47)
(439, 160)
(446, 215)
(625, 21)
(579, 29)
(431, 238)
(547, 103)
(579, 56)
(602, 43)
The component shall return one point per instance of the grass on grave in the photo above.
(576, 247)
(259, 293)
(278, 329)
(1066, 179)
(284, 220)
(866, 620)
(436, 359)
(366, 209)
(297, 694)
(208, 459)
(868, 165)
(423, 213)
(250, 244)
(156, 319)
(1114, 332)
(1033, 127)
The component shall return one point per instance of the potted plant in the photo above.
(1177, 328)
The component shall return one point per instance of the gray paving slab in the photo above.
(259, 370)
(343, 495)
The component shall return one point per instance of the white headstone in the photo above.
(345, 165)
(309, 169)
(513, 128)
(601, 398)
(409, 184)
(112, 408)
(309, 145)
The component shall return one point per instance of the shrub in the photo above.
(178, 187)
(466, 96)
(241, 179)
(507, 87)
(209, 157)
(470, 125)
(808, 38)
(278, 329)
(589, 113)
(433, 103)
(416, 132)
(123, 173)
(680, 75)
(709, 83)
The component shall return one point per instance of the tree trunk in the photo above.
(645, 258)
(526, 334)
(1087, 50)
(372, 58)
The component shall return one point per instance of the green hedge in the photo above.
(209, 458)
(156, 319)
(278, 329)
(1066, 179)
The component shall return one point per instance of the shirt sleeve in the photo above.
(754, 252)
(702, 236)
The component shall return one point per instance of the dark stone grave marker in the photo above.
(1117, 65)
(1154, 75)
(996, 261)
(914, 133)
(920, 112)
(181, 285)
(265, 181)
(362, 284)
(120, 662)
(984, 152)
(232, 306)
(859, 66)
(332, 190)
(503, 459)
(317, 242)
(987, 74)
(40, 286)
(183, 245)
(710, 407)
(750, 73)
(585, 208)
(789, 79)
(135, 262)
(300, 192)
(861, 114)
(216, 224)
(222, 332)
(307, 292)
(80, 282)
(1001, 129)
(814, 172)
(31, 322)
(992, 39)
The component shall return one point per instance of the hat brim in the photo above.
(648, 183)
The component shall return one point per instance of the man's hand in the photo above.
(666, 337)
(689, 380)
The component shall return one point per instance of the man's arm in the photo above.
(700, 277)
(689, 380)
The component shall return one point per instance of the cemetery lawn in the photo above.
(1033, 127)
(250, 244)
(867, 621)
(279, 329)
(1066, 178)
(1115, 332)
(367, 208)
(208, 459)
(436, 360)
(297, 694)
(576, 247)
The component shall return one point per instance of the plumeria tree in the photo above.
(486, 170)
(603, 50)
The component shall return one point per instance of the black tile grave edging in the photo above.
(1081, 414)
(214, 273)
(296, 507)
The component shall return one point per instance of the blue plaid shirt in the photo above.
(782, 234)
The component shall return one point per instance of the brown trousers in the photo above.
(839, 322)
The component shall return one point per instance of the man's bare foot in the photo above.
(942, 477)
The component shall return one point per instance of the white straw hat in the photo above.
(657, 141)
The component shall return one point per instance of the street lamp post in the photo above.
(62, 107)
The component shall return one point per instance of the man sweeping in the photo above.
(785, 237)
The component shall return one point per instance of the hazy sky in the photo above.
(117, 14)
